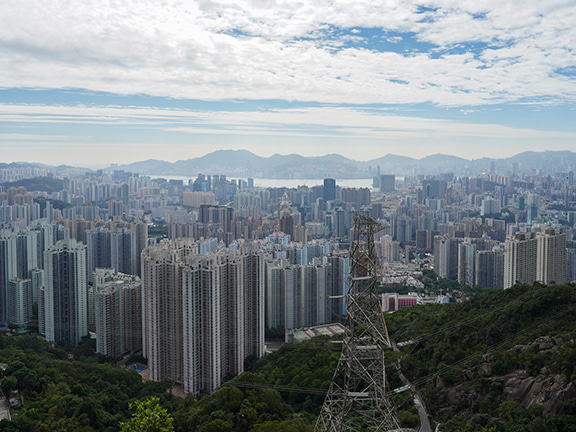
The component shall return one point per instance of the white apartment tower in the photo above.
(202, 314)
(162, 305)
(123, 251)
(65, 296)
(520, 259)
(551, 256)
(118, 305)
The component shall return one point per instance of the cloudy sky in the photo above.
(90, 82)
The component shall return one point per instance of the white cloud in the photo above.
(298, 122)
(485, 51)
(30, 137)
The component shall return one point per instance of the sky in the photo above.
(94, 82)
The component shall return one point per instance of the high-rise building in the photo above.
(64, 298)
(434, 188)
(202, 314)
(570, 265)
(390, 249)
(123, 251)
(520, 259)
(118, 306)
(446, 257)
(217, 214)
(162, 308)
(551, 256)
(20, 250)
(387, 183)
(532, 208)
(329, 189)
(307, 294)
(19, 299)
(98, 249)
(489, 269)
(466, 262)
(490, 206)
(8, 265)
(287, 225)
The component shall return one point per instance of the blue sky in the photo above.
(90, 83)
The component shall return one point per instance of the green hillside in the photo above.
(42, 184)
(505, 361)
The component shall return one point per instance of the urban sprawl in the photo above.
(191, 274)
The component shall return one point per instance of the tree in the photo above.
(149, 417)
(9, 384)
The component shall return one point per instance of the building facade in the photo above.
(65, 296)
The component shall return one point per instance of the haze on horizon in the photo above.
(93, 83)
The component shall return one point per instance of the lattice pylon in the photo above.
(357, 399)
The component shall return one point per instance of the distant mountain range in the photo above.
(243, 163)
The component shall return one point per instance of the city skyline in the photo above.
(139, 80)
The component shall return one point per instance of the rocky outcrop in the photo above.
(548, 391)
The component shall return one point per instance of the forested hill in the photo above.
(504, 361)
(43, 184)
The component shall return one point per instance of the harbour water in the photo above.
(289, 183)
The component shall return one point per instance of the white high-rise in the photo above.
(202, 314)
(520, 259)
(123, 251)
(533, 257)
(305, 295)
(118, 310)
(551, 256)
(65, 295)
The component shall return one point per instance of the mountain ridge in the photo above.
(246, 163)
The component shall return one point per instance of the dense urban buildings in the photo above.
(203, 315)
(221, 260)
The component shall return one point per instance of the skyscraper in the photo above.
(162, 308)
(446, 257)
(329, 189)
(19, 255)
(520, 259)
(119, 316)
(123, 251)
(202, 314)
(387, 183)
(489, 271)
(551, 256)
(65, 302)
(19, 296)
(98, 249)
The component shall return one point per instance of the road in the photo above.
(4, 409)
(418, 401)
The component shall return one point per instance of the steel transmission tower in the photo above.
(357, 399)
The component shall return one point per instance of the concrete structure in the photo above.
(98, 249)
(490, 206)
(520, 259)
(329, 189)
(118, 309)
(387, 183)
(551, 256)
(65, 296)
(489, 269)
(19, 301)
(202, 314)
(446, 257)
(123, 251)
